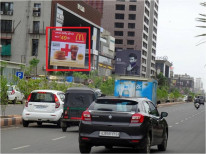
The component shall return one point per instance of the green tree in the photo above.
(162, 80)
(3, 94)
(107, 87)
(33, 64)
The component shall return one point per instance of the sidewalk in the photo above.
(12, 120)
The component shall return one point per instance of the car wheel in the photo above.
(64, 129)
(39, 123)
(146, 149)
(84, 148)
(14, 101)
(59, 123)
(108, 147)
(163, 146)
(25, 123)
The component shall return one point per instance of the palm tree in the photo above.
(202, 19)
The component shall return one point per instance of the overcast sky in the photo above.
(176, 36)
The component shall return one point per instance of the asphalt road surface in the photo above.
(186, 135)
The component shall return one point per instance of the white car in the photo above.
(43, 106)
(14, 94)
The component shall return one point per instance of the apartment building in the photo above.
(133, 23)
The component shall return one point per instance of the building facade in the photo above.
(23, 29)
(163, 66)
(133, 23)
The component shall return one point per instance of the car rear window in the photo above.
(10, 88)
(42, 97)
(115, 105)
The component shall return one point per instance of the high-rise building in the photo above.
(133, 23)
(97, 4)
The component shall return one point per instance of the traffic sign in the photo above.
(20, 75)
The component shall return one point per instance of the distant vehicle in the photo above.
(199, 99)
(14, 94)
(76, 101)
(43, 106)
(124, 122)
(189, 98)
(197, 105)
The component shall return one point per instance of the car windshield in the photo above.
(114, 105)
(42, 97)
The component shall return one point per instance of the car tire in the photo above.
(59, 123)
(163, 146)
(84, 148)
(25, 123)
(39, 123)
(147, 146)
(15, 100)
(109, 147)
(64, 129)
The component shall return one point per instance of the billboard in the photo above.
(68, 49)
(128, 62)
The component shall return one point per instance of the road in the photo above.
(186, 135)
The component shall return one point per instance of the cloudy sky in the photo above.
(176, 36)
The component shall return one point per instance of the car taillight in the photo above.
(56, 101)
(13, 92)
(86, 116)
(27, 101)
(137, 118)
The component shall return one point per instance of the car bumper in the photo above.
(36, 116)
(11, 97)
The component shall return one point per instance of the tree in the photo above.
(33, 64)
(202, 19)
(3, 94)
(162, 80)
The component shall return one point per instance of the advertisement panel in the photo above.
(144, 89)
(68, 49)
(124, 88)
(128, 62)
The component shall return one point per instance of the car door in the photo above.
(159, 124)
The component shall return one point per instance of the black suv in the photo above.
(126, 122)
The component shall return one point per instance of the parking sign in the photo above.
(20, 75)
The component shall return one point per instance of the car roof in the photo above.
(45, 90)
(80, 88)
(125, 98)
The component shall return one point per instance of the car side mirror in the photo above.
(163, 114)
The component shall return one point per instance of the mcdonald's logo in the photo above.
(79, 37)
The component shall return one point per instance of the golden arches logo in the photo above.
(80, 37)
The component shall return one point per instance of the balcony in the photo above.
(37, 31)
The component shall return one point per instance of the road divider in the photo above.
(11, 120)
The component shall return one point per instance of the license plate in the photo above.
(40, 107)
(109, 134)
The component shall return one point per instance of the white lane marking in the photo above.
(170, 126)
(21, 147)
(181, 120)
(177, 123)
(58, 138)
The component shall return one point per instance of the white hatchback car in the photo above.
(14, 94)
(43, 106)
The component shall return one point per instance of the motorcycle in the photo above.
(197, 105)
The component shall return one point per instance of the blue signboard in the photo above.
(20, 75)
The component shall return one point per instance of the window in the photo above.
(133, 0)
(132, 7)
(146, 29)
(156, 6)
(154, 44)
(143, 69)
(144, 61)
(36, 25)
(132, 16)
(153, 58)
(144, 53)
(118, 33)
(6, 47)
(118, 25)
(153, 51)
(130, 42)
(119, 16)
(155, 14)
(147, 3)
(131, 25)
(35, 44)
(120, 7)
(146, 11)
(131, 33)
(37, 9)
(153, 110)
(146, 20)
(145, 45)
(120, 0)
(154, 37)
(155, 29)
(145, 36)
(6, 26)
(7, 8)
(152, 65)
(118, 41)
(155, 21)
